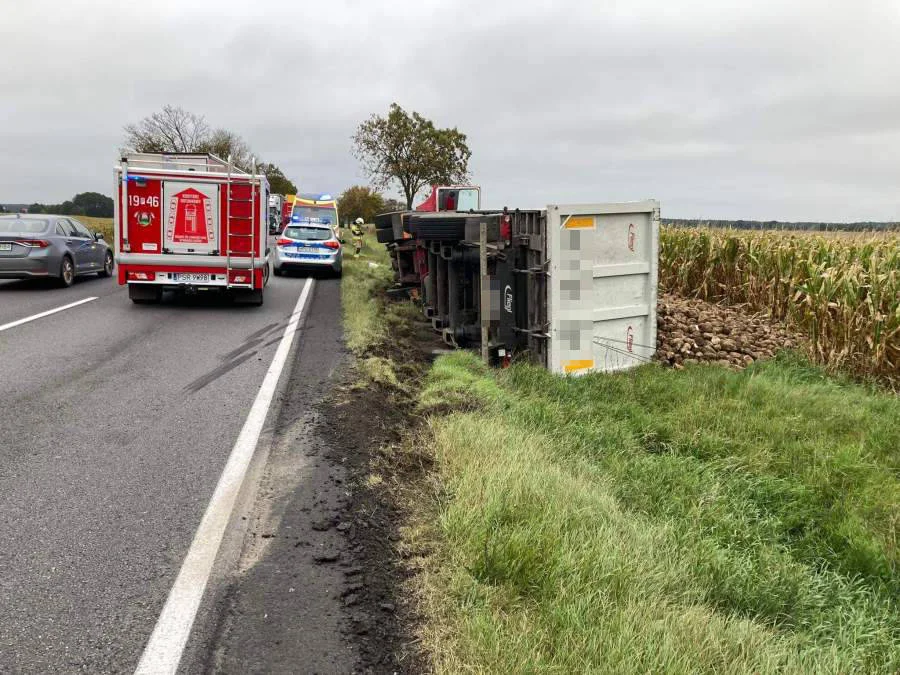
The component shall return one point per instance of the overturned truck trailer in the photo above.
(572, 287)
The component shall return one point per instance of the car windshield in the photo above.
(314, 214)
(23, 225)
(309, 233)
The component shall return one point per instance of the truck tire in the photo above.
(383, 221)
(144, 294)
(439, 228)
(385, 236)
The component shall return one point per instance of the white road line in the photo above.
(13, 324)
(163, 652)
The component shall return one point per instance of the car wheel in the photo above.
(67, 272)
(277, 271)
(107, 265)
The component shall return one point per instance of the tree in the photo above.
(225, 144)
(172, 129)
(392, 204)
(410, 150)
(94, 204)
(278, 182)
(360, 201)
(67, 208)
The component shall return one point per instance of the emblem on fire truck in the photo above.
(190, 218)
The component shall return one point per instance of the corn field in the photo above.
(842, 292)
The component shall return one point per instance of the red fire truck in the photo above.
(190, 222)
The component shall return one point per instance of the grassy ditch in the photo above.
(370, 322)
(701, 520)
(364, 282)
(661, 521)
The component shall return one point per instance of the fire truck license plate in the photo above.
(191, 276)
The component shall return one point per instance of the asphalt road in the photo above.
(116, 421)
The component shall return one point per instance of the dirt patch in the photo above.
(694, 331)
(367, 427)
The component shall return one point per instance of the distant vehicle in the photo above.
(286, 207)
(315, 209)
(45, 246)
(276, 209)
(308, 246)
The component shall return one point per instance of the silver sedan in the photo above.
(39, 246)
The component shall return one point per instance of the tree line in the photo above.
(91, 204)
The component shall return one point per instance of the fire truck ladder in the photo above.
(231, 271)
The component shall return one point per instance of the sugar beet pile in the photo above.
(693, 331)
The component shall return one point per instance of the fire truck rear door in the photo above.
(190, 217)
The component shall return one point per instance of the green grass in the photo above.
(364, 281)
(661, 521)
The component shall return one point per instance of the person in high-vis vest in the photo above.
(356, 232)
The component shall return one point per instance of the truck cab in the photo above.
(452, 198)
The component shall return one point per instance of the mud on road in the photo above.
(319, 583)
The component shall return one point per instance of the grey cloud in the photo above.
(755, 110)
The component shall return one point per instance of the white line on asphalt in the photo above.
(163, 652)
(13, 324)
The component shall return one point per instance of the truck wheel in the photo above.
(142, 294)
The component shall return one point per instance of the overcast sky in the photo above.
(759, 109)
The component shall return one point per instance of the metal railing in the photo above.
(190, 162)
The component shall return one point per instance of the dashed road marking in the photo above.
(34, 317)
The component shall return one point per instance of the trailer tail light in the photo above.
(32, 243)
(334, 245)
(142, 276)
